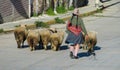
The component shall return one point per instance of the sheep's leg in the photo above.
(23, 44)
(92, 48)
(89, 48)
(19, 44)
(55, 48)
(52, 47)
(84, 45)
(45, 47)
(31, 48)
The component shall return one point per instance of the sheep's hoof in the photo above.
(45, 47)
(18, 47)
(93, 54)
(55, 49)
(31, 50)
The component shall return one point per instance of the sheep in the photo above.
(45, 36)
(56, 40)
(91, 41)
(20, 34)
(33, 39)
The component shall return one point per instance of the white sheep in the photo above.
(33, 39)
(20, 34)
(56, 40)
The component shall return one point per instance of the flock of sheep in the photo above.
(39, 37)
(45, 36)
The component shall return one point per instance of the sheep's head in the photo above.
(53, 30)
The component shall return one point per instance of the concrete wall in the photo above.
(12, 10)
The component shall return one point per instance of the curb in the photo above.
(33, 26)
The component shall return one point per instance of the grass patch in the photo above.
(35, 14)
(41, 24)
(1, 30)
(71, 8)
(17, 25)
(50, 12)
(98, 11)
(61, 10)
(58, 20)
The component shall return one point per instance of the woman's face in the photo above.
(76, 11)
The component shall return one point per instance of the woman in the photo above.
(73, 40)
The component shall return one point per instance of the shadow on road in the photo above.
(25, 46)
(86, 54)
(64, 47)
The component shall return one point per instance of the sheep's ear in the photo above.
(23, 25)
(53, 30)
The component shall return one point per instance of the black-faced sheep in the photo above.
(20, 34)
(33, 39)
(56, 40)
(91, 41)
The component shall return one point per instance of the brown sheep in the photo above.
(33, 39)
(56, 40)
(20, 34)
(91, 41)
(45, 36)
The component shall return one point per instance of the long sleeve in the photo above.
(80, 22)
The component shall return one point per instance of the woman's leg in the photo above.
(71, 48)
(77, 46)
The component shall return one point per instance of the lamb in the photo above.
(91, 41)
(56, 40)
(45, 36)
(33, 39)
(20, 34)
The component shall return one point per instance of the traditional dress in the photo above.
(73, 39)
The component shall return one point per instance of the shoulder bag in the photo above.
(75, 29)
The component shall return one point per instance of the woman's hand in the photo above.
(86, 37)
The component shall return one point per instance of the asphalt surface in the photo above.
(107, 50)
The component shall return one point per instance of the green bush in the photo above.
(41, 24)
(58, 20)
(71, 8)
(34, 14)
(1, 30)
(16, 25)
(99, 11)
(61, 9)
(50, 12)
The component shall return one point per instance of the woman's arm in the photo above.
(80, 21)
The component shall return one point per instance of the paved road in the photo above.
(107, 24)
